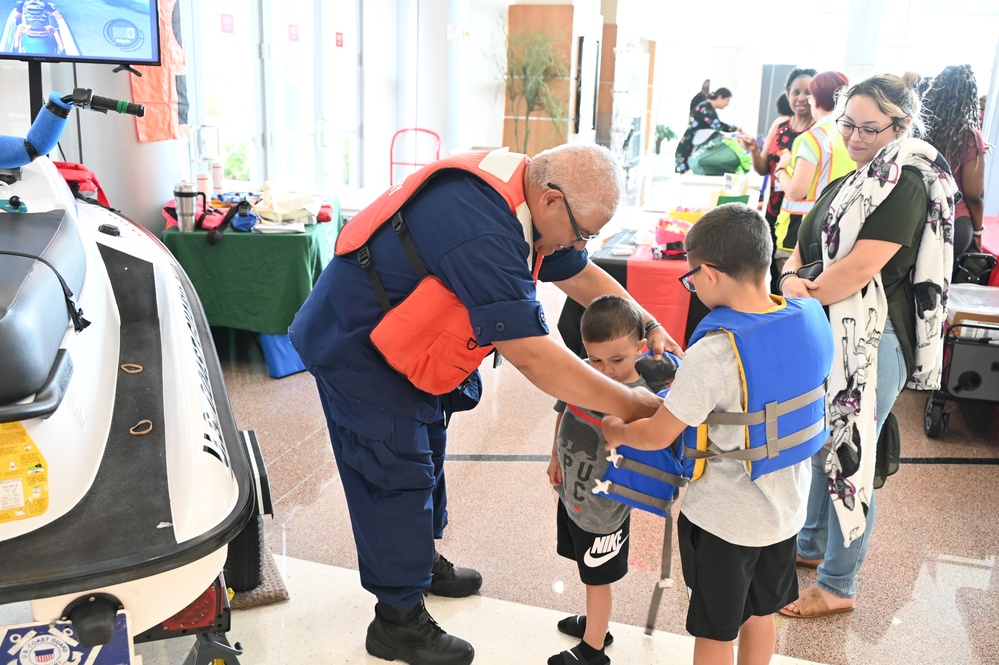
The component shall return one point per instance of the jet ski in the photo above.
(37, 28)
(125, 485)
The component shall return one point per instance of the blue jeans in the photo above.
(821, 537)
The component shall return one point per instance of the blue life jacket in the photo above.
(784, 406)
(646, 479)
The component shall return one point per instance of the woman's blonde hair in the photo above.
(896, 97)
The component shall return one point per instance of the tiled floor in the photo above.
(928, 593)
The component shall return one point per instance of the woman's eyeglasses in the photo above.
(685, 278)
(867, 134)
(572, 220)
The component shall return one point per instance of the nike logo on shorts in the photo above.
(604, 549)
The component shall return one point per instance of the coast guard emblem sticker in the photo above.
(44, 650)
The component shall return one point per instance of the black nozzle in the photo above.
(93, 618)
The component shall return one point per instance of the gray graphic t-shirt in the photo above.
(583, 460)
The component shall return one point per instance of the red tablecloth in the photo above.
(653, 284)
(656, 287)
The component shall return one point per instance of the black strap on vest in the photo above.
(75, 313)
(368, 264)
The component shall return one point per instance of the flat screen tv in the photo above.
(122, 32)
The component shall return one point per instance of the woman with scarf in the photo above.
(704, 118)
(953, 119)
(883, 236)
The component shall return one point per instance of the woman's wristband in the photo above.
(977, 232)
(652, 325)
(783, 276)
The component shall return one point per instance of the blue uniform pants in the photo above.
(392, 469)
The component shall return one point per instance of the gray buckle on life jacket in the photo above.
(364, 257)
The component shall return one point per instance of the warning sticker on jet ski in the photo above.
(56, 644)
(24, 475)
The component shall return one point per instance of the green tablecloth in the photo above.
(254, 281)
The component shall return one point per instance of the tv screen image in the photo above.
(112, 31)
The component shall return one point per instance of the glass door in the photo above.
(338, 124)
(277, 81)
(228, 88)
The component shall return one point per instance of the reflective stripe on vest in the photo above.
(783, 409)
(834, 161)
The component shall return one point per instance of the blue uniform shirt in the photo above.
(469, 239)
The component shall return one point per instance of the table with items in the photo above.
(256, 281)
(653, 283)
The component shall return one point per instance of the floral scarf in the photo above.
(859, 320)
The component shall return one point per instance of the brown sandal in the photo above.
(807, 563)
(812, 605)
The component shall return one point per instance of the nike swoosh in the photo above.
(594, 561)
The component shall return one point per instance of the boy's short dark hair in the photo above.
(734, 237)
(611, 317)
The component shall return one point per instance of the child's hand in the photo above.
(613, 431)
(796, 287)
(554, 472)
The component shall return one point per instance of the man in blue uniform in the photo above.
(467, 218)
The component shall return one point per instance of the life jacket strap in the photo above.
(759, 417)
(634, 495)
(399, 226)
(368, 264)
(622, 462)
(666, 579)
(773, 448)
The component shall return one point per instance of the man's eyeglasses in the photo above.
(685, 278)
(572, 220)
(867, 134)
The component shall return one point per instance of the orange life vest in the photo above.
(428, 336)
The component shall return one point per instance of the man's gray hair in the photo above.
(589, 174)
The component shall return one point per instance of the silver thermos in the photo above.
(185, 193)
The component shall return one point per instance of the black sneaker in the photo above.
(453, 582)
(577, 656)
(413, 636)
(575, 626)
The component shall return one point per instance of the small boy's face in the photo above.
(615, 358)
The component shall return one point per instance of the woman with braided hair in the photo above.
(952, 111)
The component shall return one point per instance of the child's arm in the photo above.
(653, 433)
(554, 470)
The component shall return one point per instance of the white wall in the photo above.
(138, 178)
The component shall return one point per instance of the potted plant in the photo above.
(532, 64)
(663, 133)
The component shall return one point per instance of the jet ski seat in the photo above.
(33, 312)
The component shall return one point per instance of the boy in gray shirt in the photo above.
(593, 530)
(754, 353)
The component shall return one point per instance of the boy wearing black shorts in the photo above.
(737, 528)
(593, 530)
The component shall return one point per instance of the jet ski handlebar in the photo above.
(47, 129)
(86, 99)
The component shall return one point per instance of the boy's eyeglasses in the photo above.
(685, 278)
(867, 134)
(572, 220)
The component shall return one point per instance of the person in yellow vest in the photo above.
(817, 157)
(426, 281)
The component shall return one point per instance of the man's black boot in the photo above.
(453, 582)
(413, 636)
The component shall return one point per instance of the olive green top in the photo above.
(899, 219)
